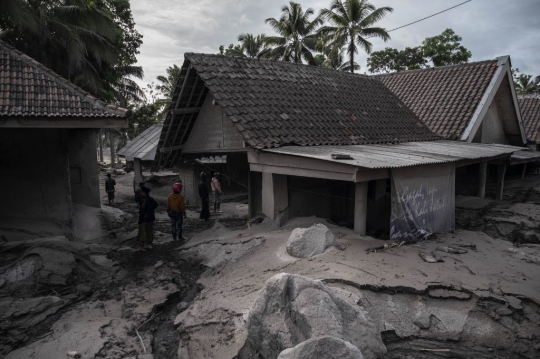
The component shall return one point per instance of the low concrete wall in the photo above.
(35, 174)
(83, 167)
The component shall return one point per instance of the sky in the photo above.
(489, 28)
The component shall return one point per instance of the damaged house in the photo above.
(530, 112)
(314, 141)
(48, 135)
(473, 102)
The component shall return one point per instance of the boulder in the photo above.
(323, 347)
(307, 242)
(291, 309)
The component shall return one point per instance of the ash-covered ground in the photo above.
(233, 291)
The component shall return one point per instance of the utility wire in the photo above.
(427, 17)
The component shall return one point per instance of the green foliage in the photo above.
(351, 24)
(525, 84)
(143, 116)
(92, 43)
(445, 49)
(394, 60)
(232, 50)
(296, 35)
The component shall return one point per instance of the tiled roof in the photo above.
(530, 115)
(28, 89)
(274, 103)
(445, 97)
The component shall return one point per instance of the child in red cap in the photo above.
(176, 208)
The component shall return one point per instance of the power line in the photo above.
(427, 17)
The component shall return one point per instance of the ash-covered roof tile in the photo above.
(28, 88)
(530, 115)
(274, 103)
(444, 98)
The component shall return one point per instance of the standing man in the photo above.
(109, 188)
(203, 194)
(176, 208)
(216, 190)
(138, 199)
(147, 217)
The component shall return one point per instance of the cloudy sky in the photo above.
(489, 28)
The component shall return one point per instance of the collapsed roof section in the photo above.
(274, 103)
(453, 100)
(31, 95)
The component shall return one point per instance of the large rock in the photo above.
(324, 347)
(307, 242)
(291, 309)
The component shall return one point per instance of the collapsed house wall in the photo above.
(35, 174)
(83, 168)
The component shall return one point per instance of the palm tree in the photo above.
(252, 46)
(167, 86)
(74, 38)
(16, 13)
(525, 85)
(351, 24)
(296, 35)
(168, 83)
(333, 54)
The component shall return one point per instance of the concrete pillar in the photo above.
(137, 170)
(501, 171)
(251, 210)
(360, 207)
(482, 177)
(275, 197)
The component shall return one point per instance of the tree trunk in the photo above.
(100, 135)
(113, 152)
(352, 62)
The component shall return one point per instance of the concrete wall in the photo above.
(35, 174)
(83, 167)
(213, 131)
(492, 127)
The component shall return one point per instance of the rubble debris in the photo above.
(291, 309)
(52, 263)
(308, 242)
(452, 250)
(431, 258)
(385, 247)
(324, 347)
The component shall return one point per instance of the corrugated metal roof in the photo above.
(143, 146)
(401, 154)
(525, 156)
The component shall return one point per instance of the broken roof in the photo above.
(530, 113)
(274, 103)
(29, 89)
(143, 146)
(446, 98)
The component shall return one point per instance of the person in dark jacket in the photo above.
(109, 188)
(138, 199)
(205, 200)
(146, 219)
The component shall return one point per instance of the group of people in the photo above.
(176, 207)
(176, 210)
(204, 196)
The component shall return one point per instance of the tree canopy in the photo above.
(440, 50)
(92, 43)
(445, 49)
(351, 24)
